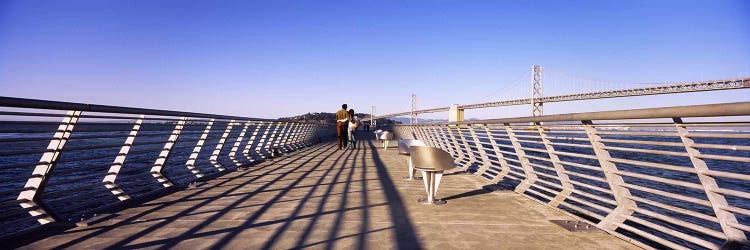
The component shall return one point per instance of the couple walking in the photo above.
(346, 124)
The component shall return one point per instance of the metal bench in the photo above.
(403, 149)
(432, 162)
(385, 136)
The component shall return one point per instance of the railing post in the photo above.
(214, 159)
(559, 169)
(456, 147)
(300, 139)
(319, 131)
(709, 184)
(164, 155)
(412, 133)
(525, 164)
(313, 132)
(504, 168)
(286, 143)
(272, 138)
(432, 137)
(259, 147)
(282, 136)
(437, 130)
(236, 146)
(296, 141)
(439, 141)
(482, 151)
(293, 140)
(263, 139)
(423, 135)
(446, 141)
(246, 151)
(625, 206)
(190, 164)
(28, 198)
(426, 137)
(114, 170)
(412, 130)
(472, 157)
(435, 141)
(298, 136)
(419, 130)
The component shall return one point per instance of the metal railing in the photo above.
(663, 177)
(63, 162)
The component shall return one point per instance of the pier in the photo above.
(321, 197)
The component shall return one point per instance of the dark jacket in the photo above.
(341, 114)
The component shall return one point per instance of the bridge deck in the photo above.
(322, 197)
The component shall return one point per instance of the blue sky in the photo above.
(281, 58)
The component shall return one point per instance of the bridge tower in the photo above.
(537, 107)
(413, 115)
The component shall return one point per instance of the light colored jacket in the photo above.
(351, 124)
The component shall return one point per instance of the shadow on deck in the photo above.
(321, 197)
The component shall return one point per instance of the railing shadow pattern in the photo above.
(316, 197)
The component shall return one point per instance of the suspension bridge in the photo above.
(538, 100)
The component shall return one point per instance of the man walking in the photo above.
(342, 124)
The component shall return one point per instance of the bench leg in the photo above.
(431, 182)
(427, 179)
(412, 172)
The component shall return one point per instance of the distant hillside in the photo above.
(329, 118)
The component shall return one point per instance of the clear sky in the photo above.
(281, 58)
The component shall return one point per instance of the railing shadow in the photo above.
(193, 232)
(486, 189)
(406, 237)
(320, 209)
(136, 218)
(338, 174)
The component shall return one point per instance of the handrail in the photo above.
(666, 185)
(706, 110)
(15, 102)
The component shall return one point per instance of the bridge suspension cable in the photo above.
(566, 83)
(506, 89)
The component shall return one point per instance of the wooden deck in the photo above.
(321, 197)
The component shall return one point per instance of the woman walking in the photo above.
(353, 124)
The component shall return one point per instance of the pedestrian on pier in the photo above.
(342, 120)
(353, 125)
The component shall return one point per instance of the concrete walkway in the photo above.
(321, 197)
